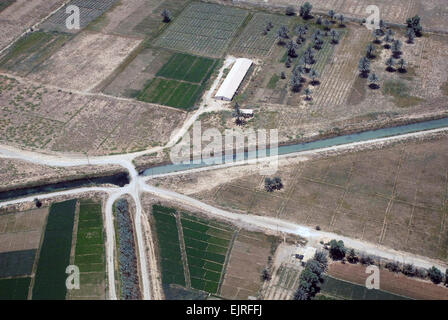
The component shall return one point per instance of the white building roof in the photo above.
(234, 79)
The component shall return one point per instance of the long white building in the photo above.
(233, 79)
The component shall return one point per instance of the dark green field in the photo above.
(5, 3)
(350, 291)
(168, 238)
(180, 82)
(55, 252)
(14, 289)
(16, 263)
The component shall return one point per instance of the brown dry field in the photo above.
(21, 15)
(248, 258)
(432, 12)
(85, 61)
(22, 230)
(54, 120)
(396, 196)
(16, 173)
(389, 281)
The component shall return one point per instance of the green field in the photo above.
(346, 290)
(170, 252)
(180, 82)
(55, 252)
(14, 289)
(90, 251)
(16, 263)
(186, 67)
(203, 28)
(32, 50)
(206, 247)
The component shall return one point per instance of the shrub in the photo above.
(435, 275)
(393, 266)
(337, 250)
(409, 270)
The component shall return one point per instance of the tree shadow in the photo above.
(364, 74)
(402, 70)
(390, 69)
(386, 46)
(315, 82)
(374, 86)
(397, 54)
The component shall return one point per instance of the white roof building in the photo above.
(233, 79)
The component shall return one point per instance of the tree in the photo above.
(38, 203)
(352, 258)
(282, 75)
(321, 257)
(334, 36)
(308, 93)
(396, 48)
(337, 249)
(388, 39)
(308, 57)
(331, 14)
(282, 34)
(390, 63)
(301, 294)
(291, 48)
(268, 185)
(377, 34)
(166, 14)
(319, 20)
(446, 278)
(341, 19)
(290, 11)
(370, 50)
(364, 67)
(414, 23)
(313, 76)
(309, 282)
(277, 183)
(410, 34)
(373, 80)
(295, 82)
(265, 276)
(315, 267)
(326, 24)
(269, 26)
(409, 270)
(237, 114)
(301, 32)
(317, 43)
(435, 275)
(305, 10)
(393, 266)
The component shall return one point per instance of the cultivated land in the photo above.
(37, 245)
(396, 196)
(201, 255)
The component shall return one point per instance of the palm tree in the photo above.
(334, 36)
(282, 34)
(370, 51)
(373, 80)
(313, 76)
(291, 48)
(166, 14)
(326, 24)
(341, 19)
(410, 34)
(305, 10)
(396, 48)
(364, 66)
(390, 64)
(300, 31)
(376, 34)
(296, 82)
(319, 20)
(401, 63)
(308, 93)
(331, 14)
(387, 39)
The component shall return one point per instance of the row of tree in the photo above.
(311, 277)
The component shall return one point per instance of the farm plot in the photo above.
(49, 282)
(203, 28)
(89, 10)
(16, 263)
(14, 289)
(19, 15)
(346, 290)
(127, 257)
(37, 117)
(32, 50)
(192, 74)
(248, 258)
(395, 196)
(206, 246)
(252, 41)
(395, 283)
(90, 252)
(21, 232)
(84, 62)
(169, 246)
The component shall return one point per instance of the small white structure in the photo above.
(247, 113)
(233, 79)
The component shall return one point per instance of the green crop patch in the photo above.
(14, 289)
(55, 252)
(16, 263)
(5, 4)
(168, 239)
(203, 28)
